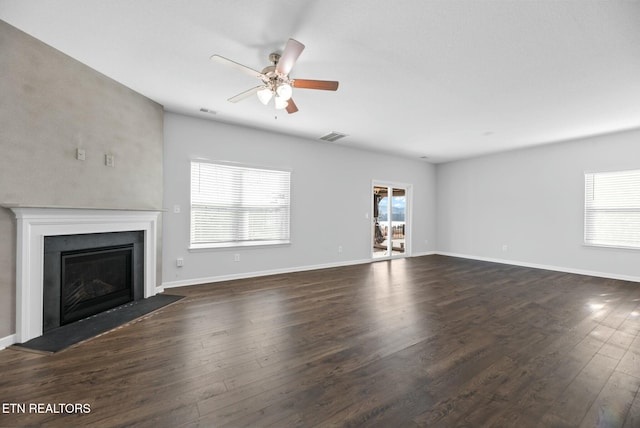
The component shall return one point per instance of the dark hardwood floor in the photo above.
(422, 342)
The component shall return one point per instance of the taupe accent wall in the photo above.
(50, 106)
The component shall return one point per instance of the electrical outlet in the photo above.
(81, 154)
(236, 257)
(505, 247)
(109, 161)
(339, 248)
(179, 262)
(176, 209)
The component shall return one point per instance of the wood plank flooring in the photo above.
(429, 341)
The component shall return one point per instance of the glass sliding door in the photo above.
(380, 221)
(389, 229)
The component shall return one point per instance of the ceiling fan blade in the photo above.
(246, 94)
(291, 52)
(291, 107)
(226, 61)
(325, 85)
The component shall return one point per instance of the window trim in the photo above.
(586, 243)
(196, 247)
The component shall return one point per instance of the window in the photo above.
(612, 208)
(235, 205)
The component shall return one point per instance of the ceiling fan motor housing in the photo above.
(274, 57)
(271, 77)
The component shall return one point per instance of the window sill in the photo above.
(614, 247)
(228, 245)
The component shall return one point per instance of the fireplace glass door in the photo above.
(95, 280)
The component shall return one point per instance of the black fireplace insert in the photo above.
(95, 280)
(87, 274)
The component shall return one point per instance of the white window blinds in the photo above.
(234, 205)
(612, 208)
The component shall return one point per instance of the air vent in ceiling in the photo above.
(333, 136)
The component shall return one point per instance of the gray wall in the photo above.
(533, 201)
(331, 193)
(51, 105)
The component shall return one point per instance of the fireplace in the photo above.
(87, 274)
(36, 224)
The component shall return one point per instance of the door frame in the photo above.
(408, 188)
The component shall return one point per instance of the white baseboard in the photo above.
(244, 275)
(7, 341)
(197, 281)
(545, 267)
(426, 253)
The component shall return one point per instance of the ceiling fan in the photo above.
(276, 82)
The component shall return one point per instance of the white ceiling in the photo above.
(443, 79)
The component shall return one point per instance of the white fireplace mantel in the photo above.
(34, 223)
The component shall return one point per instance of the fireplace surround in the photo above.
(34, 224)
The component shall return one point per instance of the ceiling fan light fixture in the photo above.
(264, 95)
(280, 102)
(275, 80)
(285, 91)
